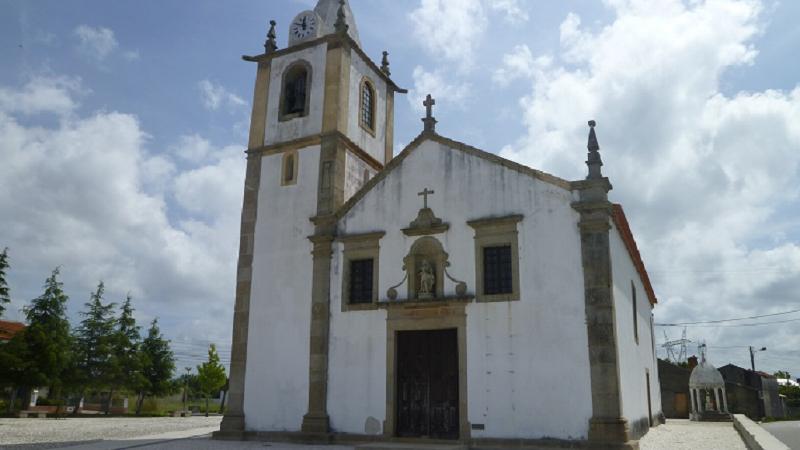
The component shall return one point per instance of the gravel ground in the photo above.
(679, 434)
(51, 433)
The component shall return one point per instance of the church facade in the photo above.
(443, 293)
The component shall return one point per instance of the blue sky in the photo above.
(123, 126)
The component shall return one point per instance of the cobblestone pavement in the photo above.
(23, 434)
(682, 434)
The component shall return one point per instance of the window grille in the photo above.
(361, 281)
(497, 278)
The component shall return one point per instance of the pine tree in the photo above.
(211, 375)
(47, 341)
(95, 342)
(4, 297)
(158, 365)
(126, 369)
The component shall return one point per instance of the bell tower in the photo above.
(322, 125)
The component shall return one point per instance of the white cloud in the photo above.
(132, 55)
(86, 194)
(436, 83)
(705, 177)
(450, 29)
(454, 29)
(514, 12)
(216, 96)
(192, 148)
(520, 63)
(96, 42)
(42, 95)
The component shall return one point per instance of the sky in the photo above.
(123, 128)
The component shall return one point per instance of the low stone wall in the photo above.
(754, 436)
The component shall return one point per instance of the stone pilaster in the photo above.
(316, 419)
(607, 427)
(330, 196)
(234, 420)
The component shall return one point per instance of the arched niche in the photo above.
(425, 258)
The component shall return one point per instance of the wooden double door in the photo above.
(427, 384)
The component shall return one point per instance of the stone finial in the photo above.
(429, 120)
(385, 64)
(270, 46)
(341, 21)
(594, 162)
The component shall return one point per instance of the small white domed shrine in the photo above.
(707, 389)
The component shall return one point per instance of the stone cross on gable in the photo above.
(429, 120)
(425, 193)
(428, 104)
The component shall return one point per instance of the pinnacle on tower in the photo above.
(385, 64)
(341, 20)
(594, 161)
(270, 45)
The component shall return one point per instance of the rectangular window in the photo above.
(361, 281)
(496, 258)
(497, 270)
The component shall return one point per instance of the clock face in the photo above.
(304, 25)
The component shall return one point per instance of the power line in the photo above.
(733, 326)
(726, 320)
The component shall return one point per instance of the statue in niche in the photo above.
(427, 280)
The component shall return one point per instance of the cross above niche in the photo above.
(425, 193)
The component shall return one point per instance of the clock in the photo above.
(304, 27)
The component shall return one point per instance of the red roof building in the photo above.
(9, 329)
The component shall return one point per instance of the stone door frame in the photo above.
(438, 317)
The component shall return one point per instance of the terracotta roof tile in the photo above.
(9, 329)
(621, 223)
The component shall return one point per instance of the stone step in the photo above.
(410, 446)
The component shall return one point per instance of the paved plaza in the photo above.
(194, 434)
(682, 434)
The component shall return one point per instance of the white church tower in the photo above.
(322, 126)
(444, 293)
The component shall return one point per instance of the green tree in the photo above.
(157, 363)
(47, 341)
(126, 369)
(211, 375)
(783, 374)
(4, 297)
(13, 366)
(95, 343)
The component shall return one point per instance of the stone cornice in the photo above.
(495, 221)
(361, 237)
(316, 139)
(425, 231)
(333, 40)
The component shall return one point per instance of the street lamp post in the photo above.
(753, 358)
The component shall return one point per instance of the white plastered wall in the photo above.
(357, 173)
(527, 364)
(277, 131)
(276, 379)
(635, 360)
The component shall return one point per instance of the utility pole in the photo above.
(753, 358)
(186, 388)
